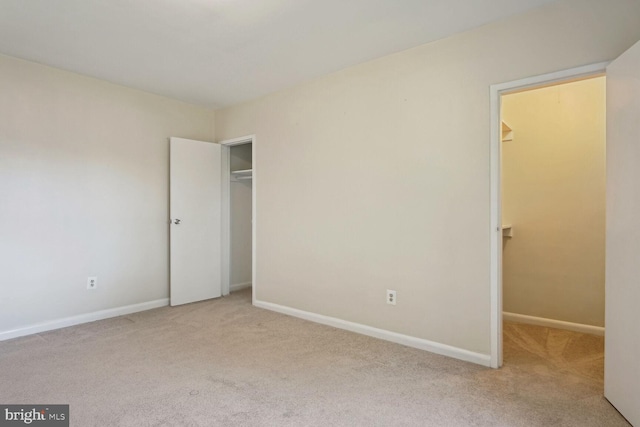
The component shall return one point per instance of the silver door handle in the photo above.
(176, 221)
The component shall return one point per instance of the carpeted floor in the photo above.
(226, 363)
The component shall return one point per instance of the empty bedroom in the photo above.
(290, 213)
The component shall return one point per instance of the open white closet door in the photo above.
(195, 211)
(622, 307)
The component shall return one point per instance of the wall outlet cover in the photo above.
(391, 297)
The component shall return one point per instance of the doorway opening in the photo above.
(553, 211)
(534, 225)
(238, 217)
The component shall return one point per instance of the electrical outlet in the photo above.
(391, 297)
(92, 282)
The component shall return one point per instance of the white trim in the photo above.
(239, 286)
(254, 217)
(226, 246)
(226, 219)
(409, 341)
(551, 323)
(496, 91)
(238, 141)
(548, 79)
(496, 232)
(82, 318)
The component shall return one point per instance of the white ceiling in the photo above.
(222, 52)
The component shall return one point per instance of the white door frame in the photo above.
(226, 212)
(497, 90)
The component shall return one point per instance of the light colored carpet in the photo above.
(226, 363)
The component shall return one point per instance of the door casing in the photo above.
(496, 91)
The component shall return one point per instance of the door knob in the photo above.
(176, 221)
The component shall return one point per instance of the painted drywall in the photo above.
(84, 170)
(622, 346)
(240, 233)
(241, 198)
(378, 177)
(553, 182)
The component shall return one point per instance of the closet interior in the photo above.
(241, 189)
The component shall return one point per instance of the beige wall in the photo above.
(378, 177)
(241, 233)
(83, 192)
(554, 196)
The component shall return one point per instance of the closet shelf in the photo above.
(242, 175)
(507, 132)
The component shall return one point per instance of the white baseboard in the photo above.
(409, 341)
(82, 318)
(550, 323)
(239, 286)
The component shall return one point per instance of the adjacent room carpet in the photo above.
(226, 363)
